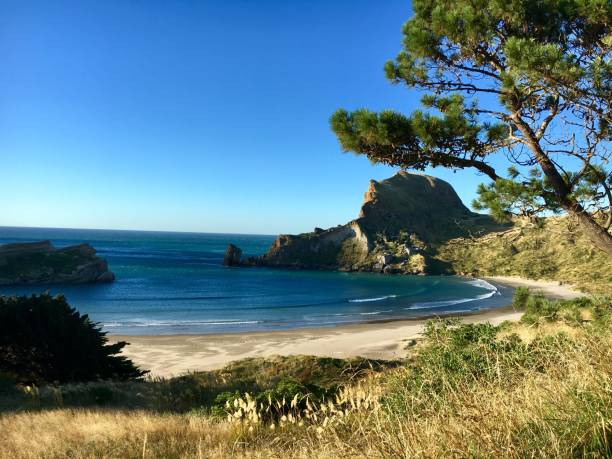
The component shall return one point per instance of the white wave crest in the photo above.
(480, 283)
(368, 300)
(178, 323)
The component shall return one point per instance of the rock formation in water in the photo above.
(232, 256)
(41, 263)
(401, 220)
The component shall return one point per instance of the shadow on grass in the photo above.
(313, 375)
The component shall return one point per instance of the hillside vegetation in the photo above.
(416, 224)
(42, 263)
(537, 388)
(555, 249)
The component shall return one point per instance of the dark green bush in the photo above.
(539, 306)
(44, 340)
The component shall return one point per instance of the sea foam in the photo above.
(369, 300)
(178, 323)
(492, 290)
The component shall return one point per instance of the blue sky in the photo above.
(192, 115)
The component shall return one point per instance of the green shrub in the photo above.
(460, 355)
(102, 395)
(277, 398)
(538, 308)
(520, 297)
(219, 406)
(43, 339)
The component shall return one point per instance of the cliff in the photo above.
(42, 263)
(401, 220)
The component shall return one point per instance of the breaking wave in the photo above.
(178, 323)
(369, 300)
(492, 290)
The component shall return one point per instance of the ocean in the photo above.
(174, 283)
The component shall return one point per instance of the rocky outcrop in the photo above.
(401, 220)
(232, 256)
(42, 263)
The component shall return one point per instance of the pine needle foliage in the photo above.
(529, 81)
(44, 339)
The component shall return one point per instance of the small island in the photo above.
(42, 263)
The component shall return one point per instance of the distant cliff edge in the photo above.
(401, 221)
(42, 263)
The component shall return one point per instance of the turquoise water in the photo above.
(173, 283)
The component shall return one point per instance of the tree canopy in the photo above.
(527, 79)
(43, 339)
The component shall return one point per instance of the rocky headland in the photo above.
(401, 223)
(42, 263)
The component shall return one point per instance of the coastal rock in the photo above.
(385, 258)
(106, 277)
(42, 263)
(401, 216)
(232, 256)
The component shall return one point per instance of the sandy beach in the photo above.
(172, 355)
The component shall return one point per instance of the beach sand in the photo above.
(172, 355)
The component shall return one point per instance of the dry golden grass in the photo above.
(564, 412)
(543, 415)
(528, 333)
(562, 408)
(557, 251)
(73, 433)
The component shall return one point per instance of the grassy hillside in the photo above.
(200, 390)
(538, 388)
(556, 250)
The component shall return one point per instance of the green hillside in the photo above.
(555, 250)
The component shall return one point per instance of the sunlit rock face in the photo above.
(399, 218)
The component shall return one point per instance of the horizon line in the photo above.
(134, 230)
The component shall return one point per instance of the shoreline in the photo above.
(550, 289)
(173, 355)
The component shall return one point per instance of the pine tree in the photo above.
(44, 340)
(527, 79)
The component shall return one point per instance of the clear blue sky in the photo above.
(192, 115)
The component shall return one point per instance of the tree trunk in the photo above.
(595, 232)
(600, 236)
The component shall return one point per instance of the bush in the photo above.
(520, 297)
(538, 308)
(44, 340)
(276, 398)
(457, 356)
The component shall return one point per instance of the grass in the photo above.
(200, 390)
(556, 250)
(541, 387)
(113, 434)
(27, 263)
